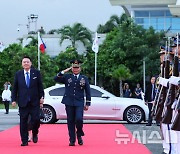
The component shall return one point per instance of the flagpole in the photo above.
(95, 48)
(95, 68)
(38, 54)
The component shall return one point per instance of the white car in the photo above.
(104, 106)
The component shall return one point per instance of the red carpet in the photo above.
(53, 139)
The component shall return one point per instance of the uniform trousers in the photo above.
(6, 104)
(150, 112)
(33, 111)
(171, 141)
(166, 138)
(175, 137)
(75, 121)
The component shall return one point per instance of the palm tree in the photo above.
(100, 28)
(20, 40)
(75, 33)
(33, 42)
(113, 22)
(121, 73)
(53, 31)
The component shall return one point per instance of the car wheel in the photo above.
(133, 114)
(49, 115)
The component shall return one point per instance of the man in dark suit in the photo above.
(28, 92)
(75, 86)
(149, 98)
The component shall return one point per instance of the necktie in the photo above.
(76, 77)
(27, 79)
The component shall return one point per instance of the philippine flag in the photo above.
(41, 44)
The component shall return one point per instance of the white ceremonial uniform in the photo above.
(6, 95)
(175, 135)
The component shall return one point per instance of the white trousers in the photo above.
(171, 142)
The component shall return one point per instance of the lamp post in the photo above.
(19, 25)
(144, 75)
(32, 18)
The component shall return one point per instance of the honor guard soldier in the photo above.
(170, 136)
(165, 54)
(76, 85)
(175, 126)
(163, 127)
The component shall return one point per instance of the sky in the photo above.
(52, 14)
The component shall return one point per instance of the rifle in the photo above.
(175, 123)
(158, 115)
(156, 100)
(167, 116)
(159, 91)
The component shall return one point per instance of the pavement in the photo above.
(149, 136)
(8, 120)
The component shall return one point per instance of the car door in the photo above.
(101, 108)
(56, 96)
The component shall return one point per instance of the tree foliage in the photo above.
(129, 44)
(112, 23)
(121, 73)
(62, 61)
(75, 33)
(126, 45)
(10, 62)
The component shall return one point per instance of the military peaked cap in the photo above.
(76, 63)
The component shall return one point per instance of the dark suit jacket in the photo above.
(74, 89)
(148, 93)
(21, 93)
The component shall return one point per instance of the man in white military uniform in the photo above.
(6, 98)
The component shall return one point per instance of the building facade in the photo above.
(53, 47)
(160, 14)
(159, 17)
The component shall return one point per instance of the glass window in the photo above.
(95, 93)
(168, 20)
(141, 13)
(153, 21)
(160, 20)
(174, 31)
(57, 92)
(146, 21)
(160, 26)
(139, 20)
(168, 13)
(175, 20)
(146, 26)
(175, 27)
(154, 26)
(156, 13)
(175, 24)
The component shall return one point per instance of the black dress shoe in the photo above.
(35, 138)
(80, 140)
(71, 144)
(24, 144)
(148, 125)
